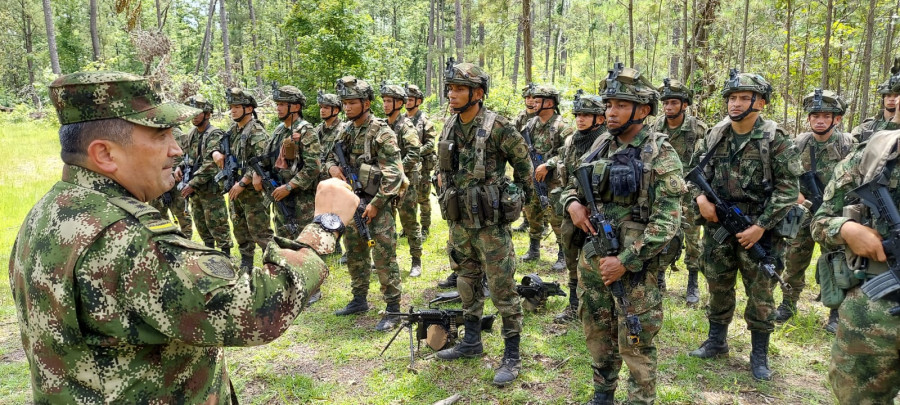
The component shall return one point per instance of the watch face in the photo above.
(331, 221)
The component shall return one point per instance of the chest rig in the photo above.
(763, 147)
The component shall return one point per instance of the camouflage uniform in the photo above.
(427, 135)
(871, 125)
(647, 221)
(327, 134)
(178, 205)
(865, 356)
(519, 123)
(130, 311)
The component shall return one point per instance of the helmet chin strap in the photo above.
(594, 124)
(354, 118)
(680, 112)
(631, 121)
(827, 130)
(241, 118)
(332, 115)
(542, 108)
(744, 114)
(465, 107)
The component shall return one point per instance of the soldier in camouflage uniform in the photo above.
(547, 131)
(828, 146)
(371, 149)
(406, 204)
(327, 130)
(755, 166)
(249, 212)
(427, 136)
(890, 99)
(590, 122)
(642, 201)
(207, 203)
(130, 311)
(521, 119)
(292, 155)
(172, 200)
(684, 132)
(865, 355)
(479, 201)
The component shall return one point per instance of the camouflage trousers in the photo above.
(476, 252)
(250, 218)
(721, 263)
(538, 218)
(423, 196)
(407, 208)
(692, 237)
(865, 355)
(211, 217)
(566, 230)
(304, 207)
(603, 321)
(384, 253)
(796, 259)
(177, 208)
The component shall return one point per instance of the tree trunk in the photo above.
(439, 84)
(563, 40)
(51, 38)
(631, 33)
(867, 59)
(28, 37)
(676, 38)
(95, 37)
(226, 47)
(515, 71)
(787, 63)
(460, 52)
(547, 36)
(744, 36)
(204, 48)
(889, 40)
(803, 64)
(684, 56)
(257, 63)
(468, 14)
(480, 43)
(429, 54)
(829, 12)
(158, 15)
(526, 37)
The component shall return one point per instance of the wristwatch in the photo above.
(329, 222)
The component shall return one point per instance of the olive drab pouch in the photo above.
(625, 175)
(449, 203)
(489, 202)
(370, 177)
(671, 252)
(790, 225)
(289, 149)
(446, 153)
(512, 198)
(600, 180)
(834, 277)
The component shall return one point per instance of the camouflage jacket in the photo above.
(521, 119)
(871, 125)
(115, 305)
(246, 143)
(302, 171)
(427, 135)
(665, 188)
(327, 136)
(548, 137)
(684, 138)
(570, 155)
(410, 146)
(200, 147)
(738, 174)
(375, 144)
(828, 153)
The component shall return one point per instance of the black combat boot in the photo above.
(246, 262)
(356, 305)
(389, 322)
(534, 251)
(469, 346)
(226, 250)
(338, 249)
(315, 297)
(832, 324)
(510, 364)
(661, 280)
(571, 312)
(602, 398)
(485, 290)
(523, 227)
(449, 282)
(425, 232)
(785, 311)
(560, 264)
(343, 259)
(211, 245)
(759, 356)
(415, 270)
(693, 292)
(715, 345)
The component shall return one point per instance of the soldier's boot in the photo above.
(389, 322)
(693, 291)
(759, 356)
(338, 249)
(661, 280)
(785, 311)
(226, 250)
(343, 259)
(415, 270)
(523, 227)
(211, 245)
(449, 282)
(571, 312)
(534, 251)
(832, 324)
(510, 364)
(356, 305)
(602, 398)
(315, 297)
(714, 346)
(425, 232)
(246, 262)
(560, 264)
(485, 290)
(469, 346)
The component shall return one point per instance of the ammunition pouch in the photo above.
(512, 198)
(481, 206)
(790, 225)
(625, 175)
(429, 162)
(449, 204)
(834, 277)
(370, 178)
(289, 149)
(447, 156)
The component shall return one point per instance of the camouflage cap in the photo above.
(91, 96)
(393, 90)
(824, 101)
(672, 89)
(629, 84)
(738, 81)
(588, 104)
(289, 94)
(236, 96)
(546, 91)
(466, 74)
(349, 87)
(198, 101)
(528, 91)
(414, 91)
(323, 98)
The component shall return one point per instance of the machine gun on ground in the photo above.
(438, 327)
(535, 291)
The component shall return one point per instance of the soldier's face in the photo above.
(353, 107)
(325, 111)
(820, 121)
(584, 121)
(618, 112)
(144, 167)
(198, 119)
(236, 111)
(459, 95)
(739, 101)
(282, 108)
(411, 103)
(529, 104)
(891, 101)
(391, 104)
(673, 106)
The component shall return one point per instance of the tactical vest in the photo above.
(365, 163)
(764, 146)
(555, 127)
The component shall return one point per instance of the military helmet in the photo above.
(414, 91)
(91, 96)
(588, 104)
(198, 101)
(738, 81)
(466, 74)
(236, 96)
(528, 91)
(393, 90)
(289, 94)
(824, 101)
(892, 84)
(673, 88)
(323, 98)
(546, 91)
(629, 84)
(349, 87)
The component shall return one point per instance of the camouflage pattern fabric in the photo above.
(207, 204)
(521, 119)
(130, 311)
(384, 256)
(249, 212)
(428, 138)
(178, 205)
(871, 125)
(301, 171)
(407, 204)
(327, 137)
(548, 138)
(737, 176)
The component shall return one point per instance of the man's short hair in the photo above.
(75, 138)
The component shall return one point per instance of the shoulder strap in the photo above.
(371, 131)
(481, 142)
(765, 148)
(447, 132)
(144, 213)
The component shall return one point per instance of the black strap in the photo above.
(603, 146)
(812, 156)
(709, 155)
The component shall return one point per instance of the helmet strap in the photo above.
(244, 110)
(468, 105)
(827, 130)
(744, 114)
(631, 121)
(334, 114)
(542, 108)
(364, 111)
(680, 112)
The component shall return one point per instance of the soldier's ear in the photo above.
(642, 112)
(100, 156)
(838, 119)
(478, 93)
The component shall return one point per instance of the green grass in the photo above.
(329, 359)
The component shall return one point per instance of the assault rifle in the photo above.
(438, 327)
(229, 170)
(187, 173)
(877, 197)
(358, 189)
(810, 182)
(536, 160)
(733, 221)
(606, 243)
(286, 206)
